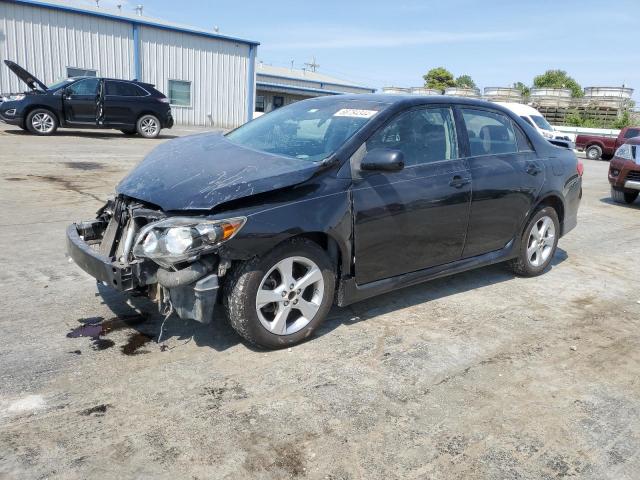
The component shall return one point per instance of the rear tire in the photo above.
(148, 126)
(623, 196)
(594, 152)
(538, 243)
(41, 122)
(281, 298)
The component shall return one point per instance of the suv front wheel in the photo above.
(623, 196)
(279, 299)
(41, 122)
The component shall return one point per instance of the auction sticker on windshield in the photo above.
(355, 113)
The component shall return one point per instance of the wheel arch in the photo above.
(330, 245)
(555, 201)
(31, 108)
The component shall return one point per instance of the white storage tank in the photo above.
(424, 91)
(462, 92)
(551, 97)
(503, 94)
(395, 90)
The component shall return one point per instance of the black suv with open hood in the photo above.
(86, 102)
(330, 200)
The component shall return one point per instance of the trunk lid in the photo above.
(26, 77)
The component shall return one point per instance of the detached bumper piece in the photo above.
(193, 290)
(93, 262)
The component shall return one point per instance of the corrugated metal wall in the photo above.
(46, 42)
(217, 70)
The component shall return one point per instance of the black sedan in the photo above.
(331, 200)
(86, 102)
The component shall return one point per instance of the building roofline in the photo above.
(135, 21)
(302, 79)
(296, 88)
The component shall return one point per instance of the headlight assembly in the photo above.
(177, 239)
(624, 151)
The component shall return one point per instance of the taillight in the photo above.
(580, 167)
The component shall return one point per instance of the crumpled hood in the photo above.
(202, 171)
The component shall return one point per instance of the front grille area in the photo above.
(633, 175)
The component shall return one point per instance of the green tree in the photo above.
(465, 81)
(439, 78)
(558, 79)
(623, 121)
(523, 89)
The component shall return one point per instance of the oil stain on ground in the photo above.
(136, 341)
(96, 411)
(85, 165)
(97, 327)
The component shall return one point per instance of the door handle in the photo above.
(458, 182)
(533, 169)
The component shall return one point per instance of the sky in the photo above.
(393, 43)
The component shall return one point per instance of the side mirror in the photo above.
(383, 159)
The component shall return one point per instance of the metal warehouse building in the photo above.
(278, 86)
(208, 77)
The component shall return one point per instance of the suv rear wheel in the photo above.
(279, 299)
(623, 196)
(41, 122)
(538, 244)
(148, 126)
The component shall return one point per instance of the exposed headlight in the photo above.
(624, 151)
(178, 239)
(9, 98)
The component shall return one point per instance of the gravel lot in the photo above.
(480, 375)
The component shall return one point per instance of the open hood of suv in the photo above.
(200, 172)
(26, 77)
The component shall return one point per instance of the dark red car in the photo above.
(624, 172)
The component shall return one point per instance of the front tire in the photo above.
(148, 126)
(623, 196)
(594, 152)
(281, 298)
(538, 244)
(41, 122)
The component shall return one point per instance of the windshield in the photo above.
(308, 130)
(541, 122)
(60, 84)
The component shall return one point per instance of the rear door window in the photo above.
(123, 89)
(490, 133)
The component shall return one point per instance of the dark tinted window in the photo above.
(632, 132)
(524, 144)
(490, 133)
(123, 89)
(424, 135)
(88, 86)
(259, 103)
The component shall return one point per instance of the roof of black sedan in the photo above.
(391, 99)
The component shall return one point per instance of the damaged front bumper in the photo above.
(191, 291)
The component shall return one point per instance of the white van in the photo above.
(534, 118)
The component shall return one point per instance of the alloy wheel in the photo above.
(42, 122)
(149, 126)
(541, 241)
(290, 295)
